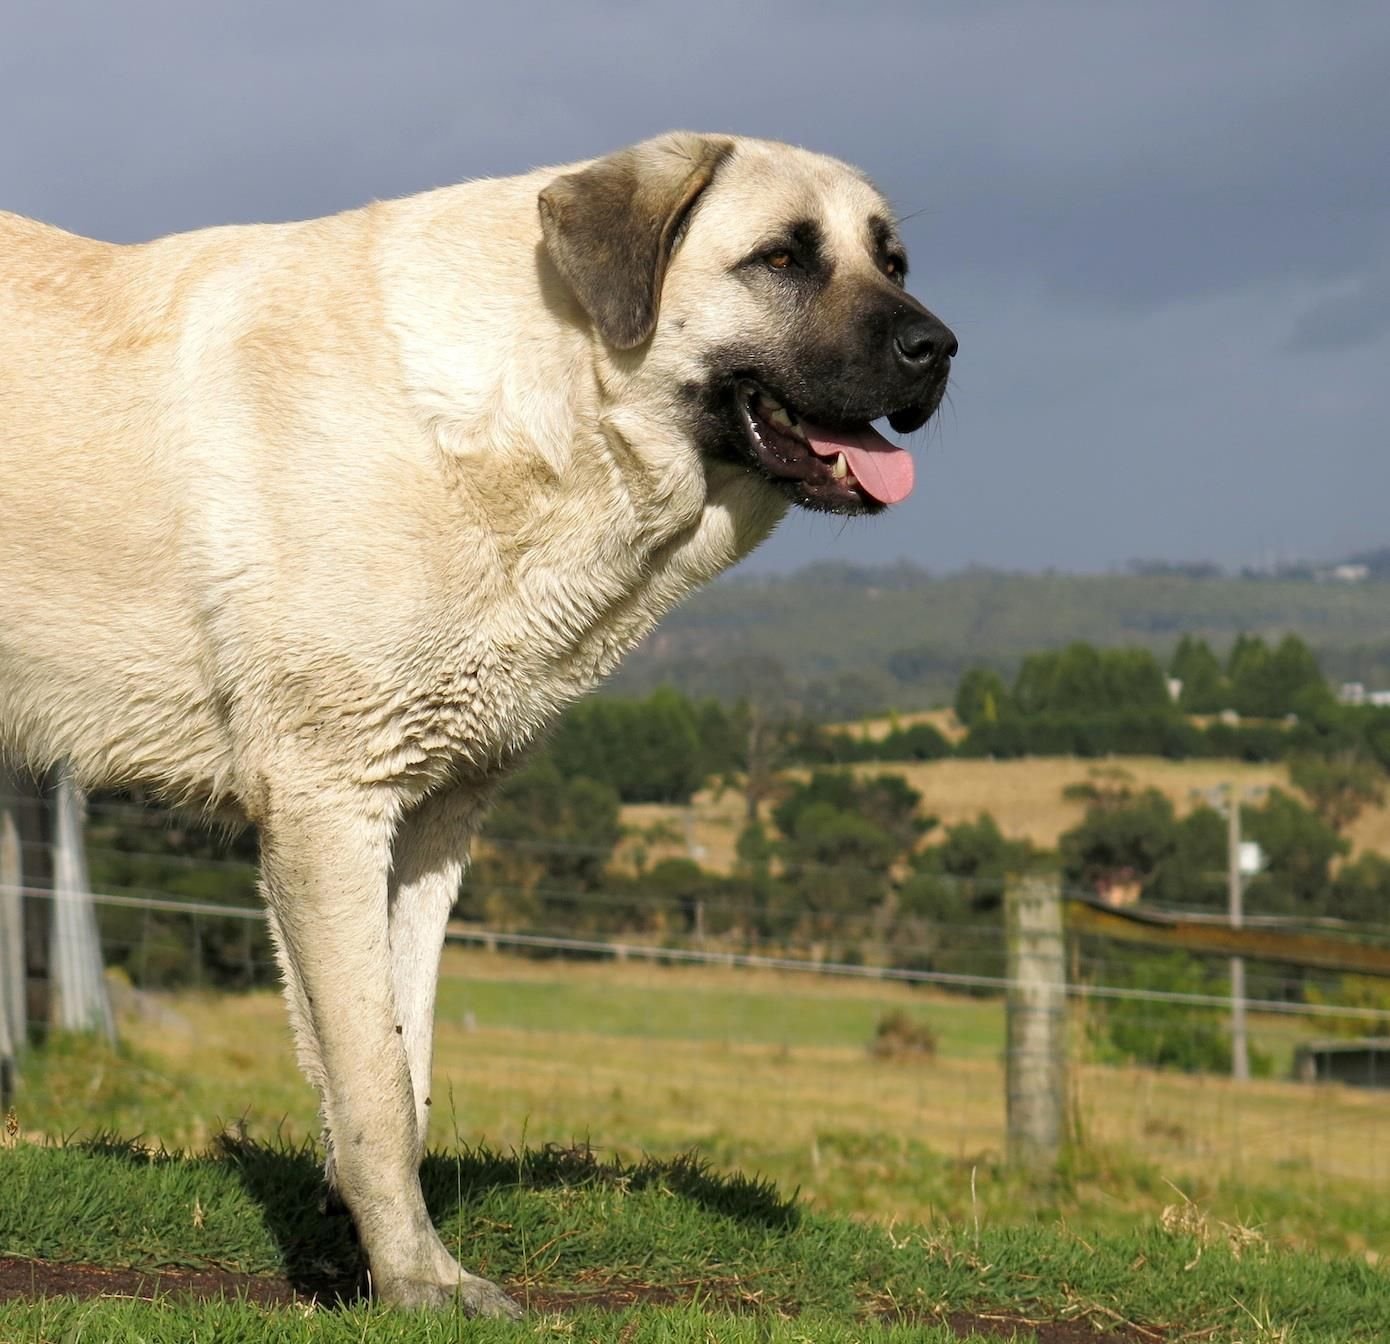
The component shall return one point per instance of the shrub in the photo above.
(900, 1036)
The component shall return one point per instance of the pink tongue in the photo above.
(882, 468)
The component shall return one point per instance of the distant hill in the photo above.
(844, 640)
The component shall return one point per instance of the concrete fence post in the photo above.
(83, 1003)
(1036, 1021)
(14, 1018)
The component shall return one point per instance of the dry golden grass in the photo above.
(1024, 797)
(786, 1110)
(875, 730)
(707, 830)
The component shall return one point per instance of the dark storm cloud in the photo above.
(1158, 229)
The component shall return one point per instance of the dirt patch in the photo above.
(34, 1279)
(1046, 1332)
(43, 1278)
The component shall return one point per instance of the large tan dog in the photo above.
(320, 524)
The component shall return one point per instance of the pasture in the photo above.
(1023, 796)
(874, 1204)
(769, 1072)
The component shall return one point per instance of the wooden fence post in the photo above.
(1036, 1019)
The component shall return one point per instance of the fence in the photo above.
(765, 1052)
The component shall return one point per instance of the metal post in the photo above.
(1037, 1021)
(1240, 1052)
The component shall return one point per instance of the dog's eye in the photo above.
(894, 268)
(779, 261)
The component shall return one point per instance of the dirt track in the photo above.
(42, 1278)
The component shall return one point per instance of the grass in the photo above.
(236, 1323)
(706, 1256)
(1215, 1211)
(767, 1071)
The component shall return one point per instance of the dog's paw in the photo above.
(477, 1297)
(482, 1298)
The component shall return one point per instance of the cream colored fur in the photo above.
(319, 524)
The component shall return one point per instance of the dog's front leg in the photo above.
(428, 858)
(325, 864)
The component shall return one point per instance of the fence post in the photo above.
(13, 1017)
(83, 1001)
(30, 865)
(1036, 1020)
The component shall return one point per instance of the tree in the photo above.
(1194, 873)
(1299, 847)
(1118, 844)
(1361, 892)
(1204, 686)
(841, 836)
(1082, 680)
(1270, 683)
(981, 697)
(951, 909)
(886, 800)
(1161, 1033)
(548, 835)
(1133, 680)
(965, 873)
(1340, 788)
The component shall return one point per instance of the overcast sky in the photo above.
(1160, 230)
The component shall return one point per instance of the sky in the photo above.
(1161, 231)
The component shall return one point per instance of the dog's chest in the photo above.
(480, 696)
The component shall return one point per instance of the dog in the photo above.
(319, 524)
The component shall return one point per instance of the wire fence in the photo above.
(763, 1050)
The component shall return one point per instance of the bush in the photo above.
(1188, 1037)
(900, 1036)
(1137, 732)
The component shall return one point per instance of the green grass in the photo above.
(234, 1323)
(642, 1059)
(970, 1029)
(732, 1258)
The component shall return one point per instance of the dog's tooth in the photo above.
(780, 417)
(841, 468)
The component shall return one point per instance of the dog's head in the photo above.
(767, 285)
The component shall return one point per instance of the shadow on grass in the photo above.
(318, 1243)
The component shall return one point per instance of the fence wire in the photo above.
(761, 1052)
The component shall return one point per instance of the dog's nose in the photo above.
(923, 339)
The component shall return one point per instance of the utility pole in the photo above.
(1240, 1051)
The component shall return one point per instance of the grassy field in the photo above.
(768, 1071)
(1024, 797)
(659, 1251)
(1188, 1205)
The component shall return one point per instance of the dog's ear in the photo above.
(610, 228)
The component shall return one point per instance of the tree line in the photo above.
(848, 861)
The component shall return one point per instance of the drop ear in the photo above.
(610, 228)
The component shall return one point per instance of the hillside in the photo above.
(1023, 796)
(846, 641)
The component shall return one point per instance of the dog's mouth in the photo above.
(844, 469)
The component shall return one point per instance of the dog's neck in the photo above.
(577, 514)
